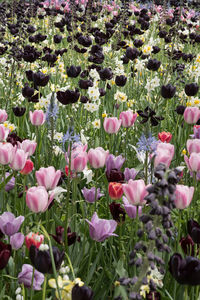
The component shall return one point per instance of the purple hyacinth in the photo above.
(89, 194)
(9, 225)
(131, 209)
(101, 229)
(25, 277)
(130, 174)
(114, 162)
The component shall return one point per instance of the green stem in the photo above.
(32, 291)
(44, 288)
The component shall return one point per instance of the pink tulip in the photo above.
(128, 118)
(28, 146)
(37, 117)
(112, 125)
(27, 168)
(7, 152)
(3, 133)
(97, 157)
(193, 146)
(79, 159)
(191, 115)
(37, 199)
(3, 115)
(19, 160)
(193, 163)
(183, 196)
(48, 177)
(135, 191)
(164, 154)
(131, 210)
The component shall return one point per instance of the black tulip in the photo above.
(27, 91)
(68, 96)
(82, 293)
(106, 74)
(155, 50)
(187, 245)
(185, 271)
(180, 109)
(153, 64)
(57, 38)
(41, 260)
(13, 138)
(168, 91)
(120, 80)
(40, 79)
(115, 175)
(5, 253)
(191, 89)
(73, 71)
(117, 212)
(19, 111)
(132, 53)
(194, 230)
(85, 84)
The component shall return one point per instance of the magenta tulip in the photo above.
(191, 115)
(19, 160)
(135, 191)
(164, 154)
(112, 125)
(128, 118)
(101, 229)
(7, 152)
(193, 146)
(97, 157)
(183, 196)
(193, 162)
(37, 117)
(3, 115)
(37, 199)
(48, 177)
(3, 133)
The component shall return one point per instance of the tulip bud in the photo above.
(115, 190)
(128, 118)
(37, 117)
(112, 125)
(19, 160)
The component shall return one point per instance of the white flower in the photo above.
(44, 247)
(96, 123)
(18, 290)
(93, 93)
(91, 107)
(87, 175)
(94, 74)
(120, 97)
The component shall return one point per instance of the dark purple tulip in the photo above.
(120, 80)
(73, 71)
(68, 96)
(41, 260)
(168, 91)
(13, 138)
(115, 175)
(191, 89)
(185, 271)
(25, 277)
(40, 79)
(27, 91)
(85, 84)
(153, 64)
(117, 212)
(106, 74)
(82, 293)
(19, 111)
(194, 231)
(187, 245)
(57, 38)
(153, 295)
(132, 53)
(180, 109)
(5, 253)
(59, 236)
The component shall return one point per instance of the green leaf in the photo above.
(93, 268)
(2, 184)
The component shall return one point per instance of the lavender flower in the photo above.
(9, 225)
(114, 162)
(89, 194)
(101, 229)
(17, 240)
(130, 173)
(131, 209)
(25, 277)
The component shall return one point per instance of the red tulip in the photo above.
(115, 190)
(34, 239)
(27, 168)
(165, 136)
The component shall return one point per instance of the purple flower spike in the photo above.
(130, 209)
(89, 194)
(9, 225)
(17, 240)
(101, 229)
(25, 277)
(114, 162)
(130, 174)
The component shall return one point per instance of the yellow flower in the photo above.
(144, 290)
(104, 115)
(184, 152)
(188, 103)
(117, 283)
